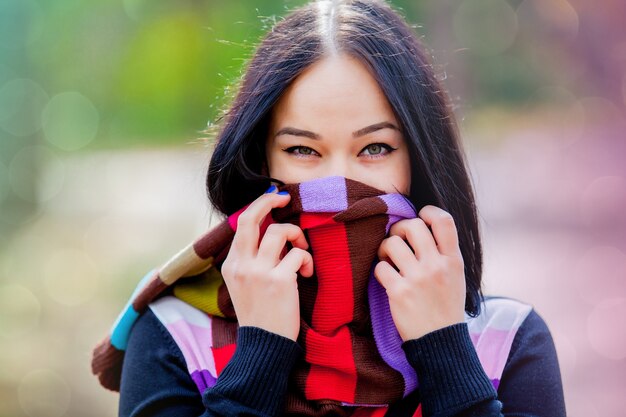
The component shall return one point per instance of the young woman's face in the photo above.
(335, 120)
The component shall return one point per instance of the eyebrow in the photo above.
(361, 132)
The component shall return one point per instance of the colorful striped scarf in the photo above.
(352, 350)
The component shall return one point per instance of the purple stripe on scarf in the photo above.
(321, 195)
(398, 208)
(388, 340)
(496, 383)
(203, 379)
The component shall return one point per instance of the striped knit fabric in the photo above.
(353, 355)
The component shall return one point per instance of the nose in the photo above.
(339, 167)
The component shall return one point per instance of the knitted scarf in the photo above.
(352, 349)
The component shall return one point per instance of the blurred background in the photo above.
(102, 161)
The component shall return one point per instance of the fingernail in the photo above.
(271, 189)
(283, 192)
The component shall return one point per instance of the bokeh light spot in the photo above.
(70, 277)
(600, 111)
(135, 9)
(624, 88)
(566, 351)
(7, 74)
(21, 103)
(21, 23)
(556, 15)
(607, 262)
(579, 406)
(19, 311)
(562, 111)
(70, 121)
(44, 393)
(4, 182)
(486, 27)
(606, 335)
(36, 174)
(603, 201)
(16, 257)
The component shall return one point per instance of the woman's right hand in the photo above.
(261, 282)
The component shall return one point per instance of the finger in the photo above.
(443, 227)
(276, 237)
(417, 234)
(296, 260)
(396, 251)
(246, 239)
(385, 274)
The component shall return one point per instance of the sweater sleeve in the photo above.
(531, 381)
(155, 381)
(453, 382)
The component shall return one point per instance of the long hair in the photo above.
(380, 38)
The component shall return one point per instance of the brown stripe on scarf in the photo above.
(105, 356)
(282, 214)
(154, 287)
(223, 331)
(223, 254)
(307, 289)
(363, 248)
(224, 302)
(370, 367)
(209, 244)
(297, 406)
(357, 191)
(299, 375)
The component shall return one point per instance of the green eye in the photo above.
(375, 149)
(378, 150)
(300, 151)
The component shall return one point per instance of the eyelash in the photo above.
(389, 149)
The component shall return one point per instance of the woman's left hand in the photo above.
(428, 291)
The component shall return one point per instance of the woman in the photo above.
(342, 91)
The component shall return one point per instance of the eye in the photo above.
(303, 151)
(377, 150)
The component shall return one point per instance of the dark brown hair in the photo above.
(381, 39)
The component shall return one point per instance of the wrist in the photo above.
(449, 371)
(261, 358)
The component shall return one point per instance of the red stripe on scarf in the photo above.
(337, 377)
(328, 343)
(309, 220)
(233, 219)
(222, 356)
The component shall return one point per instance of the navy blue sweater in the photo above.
(155, 381)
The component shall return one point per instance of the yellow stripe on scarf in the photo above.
(202, 293)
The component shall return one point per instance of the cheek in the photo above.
(394, 178)
(281, 168)
(401, 173)
(272, 156)
(407, 178)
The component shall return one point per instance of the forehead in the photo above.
(333, 89)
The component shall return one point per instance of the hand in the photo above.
(260, 280)
(428, 291)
